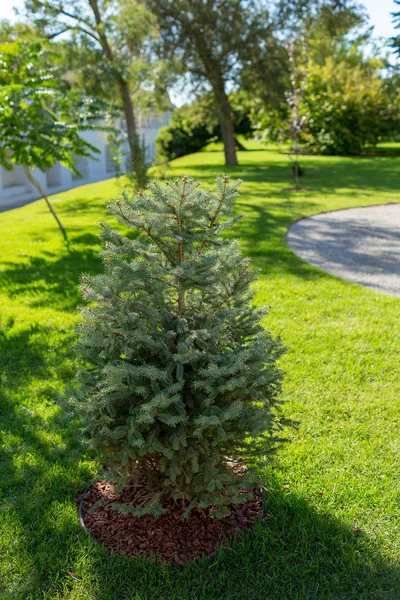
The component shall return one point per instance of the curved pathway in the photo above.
(358, 244)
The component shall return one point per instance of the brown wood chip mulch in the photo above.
(170, 537)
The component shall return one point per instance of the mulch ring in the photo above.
(170, 537)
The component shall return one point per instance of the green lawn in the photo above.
(339, 473)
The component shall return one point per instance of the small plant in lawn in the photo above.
(294, 99)
(182, 381)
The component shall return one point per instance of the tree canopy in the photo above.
(107, 52)
(40, 117)
(212, 41)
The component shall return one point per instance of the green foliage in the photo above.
(183, 379)
(187, 132)
(338, 97)
(330, 28)
(126, 27)
(195, 125)
(343, 105)
(396, 22)
(350, 108)
(40, 119)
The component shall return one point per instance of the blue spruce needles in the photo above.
(181, 382)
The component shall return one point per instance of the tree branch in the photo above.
(37, 185)
(213, 219)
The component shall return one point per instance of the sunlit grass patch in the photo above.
(332, 507)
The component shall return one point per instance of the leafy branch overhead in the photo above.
(41, 120)
(108, 54)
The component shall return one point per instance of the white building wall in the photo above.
(16, 190)
(149, 126)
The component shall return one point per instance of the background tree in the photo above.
(182, 378)
(396, 22)
(107, 51)
(211, 40)
(356, 107)
(195, 125)
(40, 119)
(343, 109)
(348, 102)
(338, 29)
(284, 120)
(20, 32)
(351, 108)
(267, 77)
(187, 132)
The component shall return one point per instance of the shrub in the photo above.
(182, 378)
(195, 125)
(185, 134)
(350, 108)
(347, 109)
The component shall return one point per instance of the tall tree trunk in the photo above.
(225, 123)
(136, 152)
(39, 188)
(214, 75)
(137, 157)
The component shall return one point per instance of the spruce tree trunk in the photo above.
(181, 295)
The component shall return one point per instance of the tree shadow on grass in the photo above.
(40, 459)
(92, 205)
(51, 279)
(30, 357)
(262, 234)
(322, 176)
(297, 553)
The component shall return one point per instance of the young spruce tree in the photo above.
(182, 381)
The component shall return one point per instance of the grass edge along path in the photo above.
(331, 510)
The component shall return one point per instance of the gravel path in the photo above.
(359, 244)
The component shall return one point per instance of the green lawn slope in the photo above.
(331, 528)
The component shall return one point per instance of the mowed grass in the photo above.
(332, 503)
